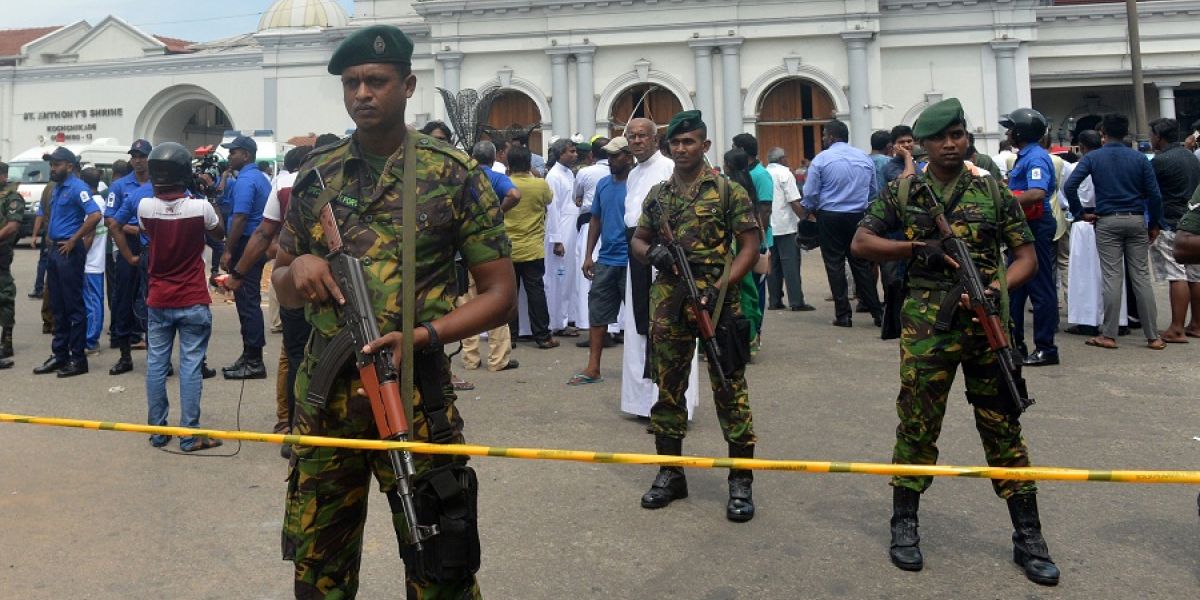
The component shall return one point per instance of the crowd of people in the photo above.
(636, 240)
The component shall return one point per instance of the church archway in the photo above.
(644, 100)
(514, 109)
(186, 114)
(790, 114)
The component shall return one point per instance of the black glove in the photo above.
(931, 256)
(660, 258)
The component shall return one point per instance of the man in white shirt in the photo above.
(785, 219)
(560, 234)
(639, 393)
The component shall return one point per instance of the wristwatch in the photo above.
(435, 343)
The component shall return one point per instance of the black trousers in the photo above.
(64, 280)
(639, 289)
(530, 274)
(296, 331)
(835, 231)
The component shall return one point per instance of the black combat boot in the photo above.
(125, 363)
(252, 366)
(906, 550)
(670, 483)
(1029, 547)
(6, 343)
(237, 364)
(741, 498)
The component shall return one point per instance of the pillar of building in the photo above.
(585, 95)
(1166, 99)
(705, 102)
(860, 94)
(731, 89)
(1005, 52)
(560, 108)
(451, 70)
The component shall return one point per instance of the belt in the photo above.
(1122, 213)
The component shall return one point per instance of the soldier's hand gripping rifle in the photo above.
(704, 324)
(380, 380)
(987, 310)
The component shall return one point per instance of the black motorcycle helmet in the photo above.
(1027, 125)
(170, 166)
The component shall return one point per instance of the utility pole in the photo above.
(1135, 58)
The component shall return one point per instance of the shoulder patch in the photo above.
(1035, 173)
(84, 196)
(430, 143)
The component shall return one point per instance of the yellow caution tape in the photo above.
(1024, 473)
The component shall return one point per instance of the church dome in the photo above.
(300, 14)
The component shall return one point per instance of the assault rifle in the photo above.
(987, 311)
(380, 380)
(704, 324)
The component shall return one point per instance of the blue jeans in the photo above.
(194, 325)
(93, 299)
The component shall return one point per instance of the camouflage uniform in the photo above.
(456, 212)
(12, 208)
(705, 226)
(930, 358)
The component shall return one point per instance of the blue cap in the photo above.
(61, 153)
(242, 142)
(141, 147)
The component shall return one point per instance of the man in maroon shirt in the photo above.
(177, 299)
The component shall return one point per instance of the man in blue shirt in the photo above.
(841, 181)
(1126, 190)
(73, 213)
(607, 271)
(126, 331)
(1031, 180)
(248, 196)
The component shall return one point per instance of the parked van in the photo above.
(32, 173)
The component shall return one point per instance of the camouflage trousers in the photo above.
(8, 296)
(929, 360)
(328, 488)
(673, 336)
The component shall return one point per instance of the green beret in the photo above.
(584, 146)
(688, 120)
(937, 118)
(374, 44)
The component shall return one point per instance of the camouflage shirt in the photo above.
(12, 208)
(703, 223)
(457, 212)
(976, 217)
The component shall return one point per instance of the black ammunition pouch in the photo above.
(733, 334)
(446, 496)
(1002, 402)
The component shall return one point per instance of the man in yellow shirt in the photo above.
(525, 224)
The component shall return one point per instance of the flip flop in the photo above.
(1182, 340)
(581, 379)
(461, 385)
(1190, 334)
(1157, 344)
(202, 444)
(1101, 342)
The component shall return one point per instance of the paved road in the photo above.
(102, 515)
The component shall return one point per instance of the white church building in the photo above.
(776, 68)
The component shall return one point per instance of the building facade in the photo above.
(776, 68)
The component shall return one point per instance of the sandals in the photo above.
(1102, 342)
(547, 344)
(460, 384)
(581, 379)
(1156, 344)
(202, 444)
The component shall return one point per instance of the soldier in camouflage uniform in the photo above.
(706, 215)
(456, 212)
(12, 211)
(987, 217)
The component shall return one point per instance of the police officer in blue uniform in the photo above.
(126, 331)
(1031, 180)
(246, 197)
(73, 214)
